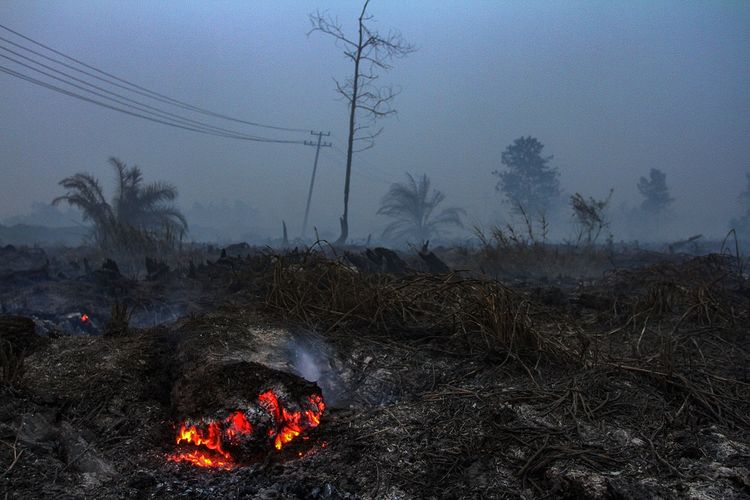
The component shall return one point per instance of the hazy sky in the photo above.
(612, 89)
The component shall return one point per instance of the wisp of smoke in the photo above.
(313, 359)
(306, 366)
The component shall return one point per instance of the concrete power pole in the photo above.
(315, 168)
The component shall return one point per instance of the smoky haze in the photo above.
(612, 90)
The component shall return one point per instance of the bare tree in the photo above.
(370, 52)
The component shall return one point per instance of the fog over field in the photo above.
(611, 89)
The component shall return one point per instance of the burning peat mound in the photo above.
(248, 409)
(305, 376)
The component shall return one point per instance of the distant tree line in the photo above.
(142, 215)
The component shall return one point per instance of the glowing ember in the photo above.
(202, 459)
(84, 317)
(213, 435)
(289, 424)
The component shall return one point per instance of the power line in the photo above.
(139, 89)
(138, 105)
(138, 115)
(159, 111)
(180, 123)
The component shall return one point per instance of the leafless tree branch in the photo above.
(323, 22)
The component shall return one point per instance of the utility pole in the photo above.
(315, 168)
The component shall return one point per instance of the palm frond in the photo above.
(398, 229)
(450, 216)
(155, 193)
(86, 194)
(166, 216)
(121, 169)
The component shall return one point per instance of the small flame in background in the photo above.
(213, 435)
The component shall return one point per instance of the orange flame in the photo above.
(287, 425)
(202, 459)
(235, 425)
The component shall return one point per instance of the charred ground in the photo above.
(630, 382)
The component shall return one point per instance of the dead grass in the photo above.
(698, 291)
(119, 320)
(513, 252)
(683, 329)
(481, 315)
(655, 379)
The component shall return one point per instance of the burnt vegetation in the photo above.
(437, 384)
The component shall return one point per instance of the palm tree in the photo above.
(85, 193)
(136, 208)
(145, 206)
(411, 205)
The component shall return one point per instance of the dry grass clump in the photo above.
(699, 291)
(119, 320)
(684, 331)
(329, 295)
(512, 252)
